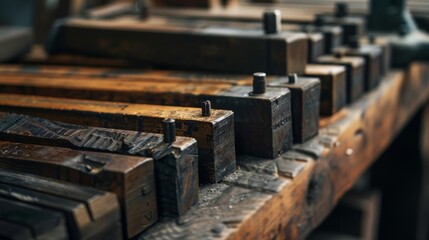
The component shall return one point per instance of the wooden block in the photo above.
(316, 46)
(355, 76)
(87, 213)
(196, 47)
(15, 41)
(333, 86)
(373, 62)
(130, 177)
(305, 99)
(176, 164)
(23, 221)
(384, 44)
(263, 126)
(214, 134)
(333, 35)
(352, 26)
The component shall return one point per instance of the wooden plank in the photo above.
(176, 164)
(214, 134)
(332, 162)
(124, 175)
(214, 48)
(31, 222)
(267, 115)
(87, 212)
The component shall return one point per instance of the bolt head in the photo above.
(272, 21)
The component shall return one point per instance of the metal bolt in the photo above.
(293, 78)
(341, 9)
(169, 128)
(272, 21)
(206, 108)
(259, 83)
(142, 8)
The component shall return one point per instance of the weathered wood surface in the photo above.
(20, 221)
(214, 134)
(214, 48)
(131, 178)
(355, 73)
(88, 213)
(288, 197)
(176, 164)
(263, 122)
(333, 86)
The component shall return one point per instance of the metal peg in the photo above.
(341, 9)
(169, 128)
(292, 78)
(259, 81)
(272, 21)
(206, 108)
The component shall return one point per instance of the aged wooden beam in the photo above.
(23, 221)
(315, 175)
(196, 47)
(131, 178)
(85, 212)
(214, 133)
(355, 75)
(263, 121)
(176, 164)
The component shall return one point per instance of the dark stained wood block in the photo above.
(22, 221)
(86, 213)
(373, 62)
(355, 76)
(131, 178)
(333, 35)
(333, 86)
(214, 134)
(263, 126)
(305, 102)
(196, 47)
(176, 164)
(352, 26)
(204, 4)
(316, 46)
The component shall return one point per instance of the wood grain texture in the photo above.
(214, 134)
(87, 213)
(333, 86)
(213, 48)
(325, 168)
(355, 73)
(267, 115)
(131, 178)
(176, 164)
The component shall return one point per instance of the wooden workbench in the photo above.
(288, 197)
